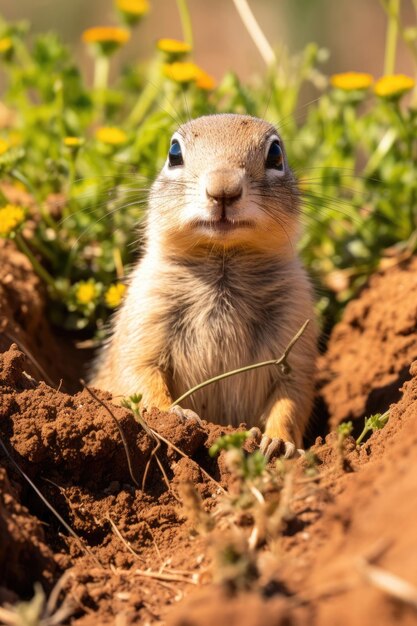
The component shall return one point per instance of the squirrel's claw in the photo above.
(185, 414)
(278, 447)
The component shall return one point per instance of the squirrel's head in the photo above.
(226, 183)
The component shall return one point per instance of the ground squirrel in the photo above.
(219, 285)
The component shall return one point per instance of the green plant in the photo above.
(248, 466)
(372, 423)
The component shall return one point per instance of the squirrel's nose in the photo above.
(224, 185)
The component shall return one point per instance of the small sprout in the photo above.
(344, 430)
(255, 464)
(229, 442)
(246, 466)
(372, 423)
(11, 218)
(114, 295)
(111, 135)
(133, 404)
(393, 86)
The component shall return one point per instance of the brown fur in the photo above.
(201, 302)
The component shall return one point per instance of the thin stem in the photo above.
(392, 8)
(282, 361)
(39, 269)
(101, 80)
(255, 31)
(146, 98)
(186, 24)
(101, 72)
(116, 421)
(68, 208)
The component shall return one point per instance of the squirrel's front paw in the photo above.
(185, 414)
(275, 446)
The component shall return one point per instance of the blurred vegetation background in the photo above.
(354, 30)
(77, 153)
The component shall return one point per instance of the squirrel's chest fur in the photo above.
(225, 317)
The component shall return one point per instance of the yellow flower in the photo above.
(73, 142)
(132, 10)
(205, 81)
(173, 48)
(106, 39)
(111, 135)
(181, 72)
(4, 146)
(393, 85)
(6, 44)
(86, 292)
(114, 295)
(350, 81)
(11, 217)
(173, 45)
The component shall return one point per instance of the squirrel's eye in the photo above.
(275, 158)
(175, 154)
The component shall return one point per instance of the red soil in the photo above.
(149, 553)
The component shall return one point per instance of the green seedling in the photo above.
(344, 430)
(247, 466)
(372, 423)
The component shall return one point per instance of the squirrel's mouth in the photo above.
(223, 225)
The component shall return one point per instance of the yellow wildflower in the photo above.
(86, 292)
(181, 71)
(349, 81)
(114, 295)
(106, 39)
(173, 45)
(73, 142)
(393, 85)
(111, 135)
(6, 44)
(205, 81)
(173, 49)
(132, 10)
(4, 146)
(11, 217)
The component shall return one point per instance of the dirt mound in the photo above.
(24, 321)
(72, 448)
(346, 531)
(148, 531)
(371, 349)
